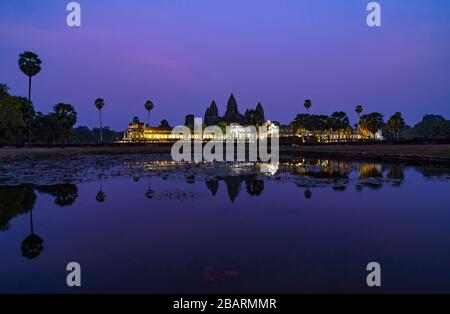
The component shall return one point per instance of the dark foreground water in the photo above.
(139, 224)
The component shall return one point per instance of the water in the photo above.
(140, 224)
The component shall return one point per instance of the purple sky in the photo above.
(181, 54)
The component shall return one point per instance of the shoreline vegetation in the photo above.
(414, 154)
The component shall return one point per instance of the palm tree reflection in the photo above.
(308, 193)
(395, 175)
(149, 193)
(65, 194)
(16, 200)
(32, 245)
(100, 196)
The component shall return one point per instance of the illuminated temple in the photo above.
(237, 126)
(141, 132)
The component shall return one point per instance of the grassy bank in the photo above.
(408, 153)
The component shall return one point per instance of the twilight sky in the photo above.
(181, 54)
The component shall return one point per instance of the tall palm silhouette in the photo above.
(307, 104)
(149, 107)
(33, 244)
(30, 65)
(99, 104)
(358, 110)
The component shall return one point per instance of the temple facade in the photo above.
(238, 127)
(141, 132)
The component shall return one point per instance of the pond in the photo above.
(146, 224)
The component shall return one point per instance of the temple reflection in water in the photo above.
(306, 174)
(214, 224)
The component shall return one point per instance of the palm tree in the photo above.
(100, 103)
(66, 117)
(30, 65)
(358, 110)
(149, 107)
(307, 104)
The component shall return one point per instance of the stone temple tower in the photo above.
(232, 114)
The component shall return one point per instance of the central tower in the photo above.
(232, 114)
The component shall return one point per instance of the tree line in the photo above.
(20, 124)
(368, 125)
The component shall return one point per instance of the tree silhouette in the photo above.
(164, 124)
(99, 104)
(395, 124)
(15, 201)
(12, 116)
(358, 110)
(372, 123)
(307, 104)
(149, 107)
(339, 122)
(65, 194)
(66, 117)
(30, 65)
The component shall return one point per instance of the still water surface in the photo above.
(147, 225)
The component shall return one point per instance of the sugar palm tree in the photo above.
(358, 110)
(99, 104)
(149, 107)
(66, 117)
(30, 65)
(307, 104)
